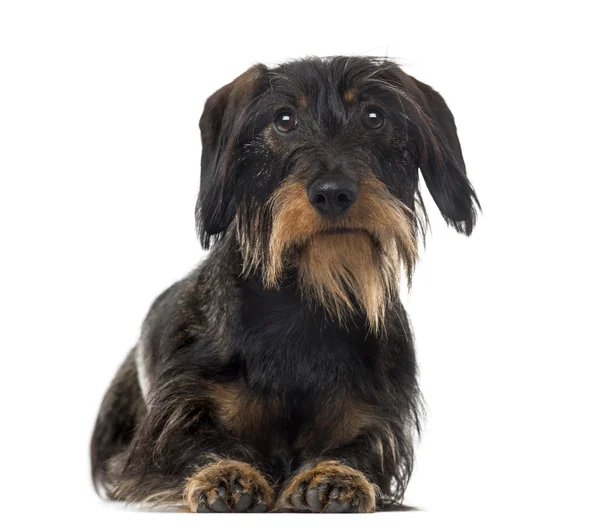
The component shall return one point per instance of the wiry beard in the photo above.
(347, 264)
(340, 270)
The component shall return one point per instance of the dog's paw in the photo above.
(329, 487)
(228, 486)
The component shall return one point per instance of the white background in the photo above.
(99, 156)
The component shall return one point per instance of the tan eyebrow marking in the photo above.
(303, 102)
(350, 96)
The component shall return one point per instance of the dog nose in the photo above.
(332, 195)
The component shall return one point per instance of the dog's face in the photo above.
(314, 165)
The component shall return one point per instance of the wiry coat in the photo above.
(276, 352)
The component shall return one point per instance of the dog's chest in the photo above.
(304, 380)
(295, 351)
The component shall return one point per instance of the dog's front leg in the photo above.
(181, 456)
(368, 471)
(214, 482)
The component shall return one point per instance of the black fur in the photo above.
(295, 372)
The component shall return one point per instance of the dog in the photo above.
(280, 375)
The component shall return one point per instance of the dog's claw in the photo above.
(297, 498)
(336, 507)
(202, 508)
(259, 507)
(243, 503)
(313, 499)
(219, 506)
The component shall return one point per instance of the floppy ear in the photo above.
(442, 163)
(221, 124)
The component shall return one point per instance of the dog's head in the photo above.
(314, 166)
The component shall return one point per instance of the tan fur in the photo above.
(384, 436)
(239, 413)
(303, 102)
(344, 419)
(351, 419)
(334, 267)
(351, 482)
(350, 96)
(207, 479)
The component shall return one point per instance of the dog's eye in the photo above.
(285, 122)
(372, 118)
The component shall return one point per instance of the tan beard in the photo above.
(342, 270)
(346, 265)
